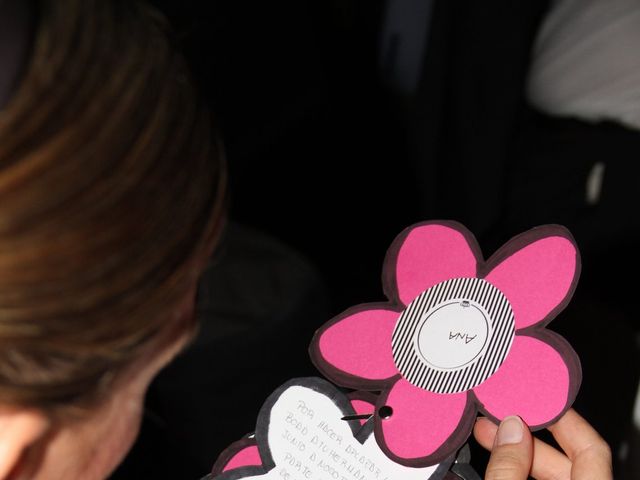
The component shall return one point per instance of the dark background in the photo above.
(334, 146)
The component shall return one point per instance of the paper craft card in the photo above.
(244, 452)
(458, 335)
(304, 432)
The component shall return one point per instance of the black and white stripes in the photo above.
(437, 325)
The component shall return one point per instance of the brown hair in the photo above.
(111, 187)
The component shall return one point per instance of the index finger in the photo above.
(590, 454)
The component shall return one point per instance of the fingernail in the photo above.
(510, 431)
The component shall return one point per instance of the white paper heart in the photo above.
(301, 436)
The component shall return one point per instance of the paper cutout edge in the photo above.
(340, 399)
(537, 330)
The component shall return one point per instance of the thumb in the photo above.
(512, 451)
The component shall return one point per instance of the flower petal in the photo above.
(363, 404)
(533, 382)
(247, 457)
(362, 407)
(428, 254)
(354, 350)
(423, 423)
(538, 277)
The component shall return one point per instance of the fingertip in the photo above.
(511, 452)
(511, 431)
(486, 422)
(484, 432)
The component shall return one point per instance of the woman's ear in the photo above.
(19, 429)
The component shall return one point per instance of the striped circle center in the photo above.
(453, 336)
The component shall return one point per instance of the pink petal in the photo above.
(247, 457)
(363, 407)
(533, 382)
(538, 277)
(424, 424)
(357, 347)
(429, 254)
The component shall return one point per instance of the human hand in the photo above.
(515, 454)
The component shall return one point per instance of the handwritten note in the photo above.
(307, 440)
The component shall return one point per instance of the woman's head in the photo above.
(111, 187)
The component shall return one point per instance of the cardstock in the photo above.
(244, 452)
(301, 435)
(458, 335)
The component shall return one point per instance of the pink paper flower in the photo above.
(457, 336)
